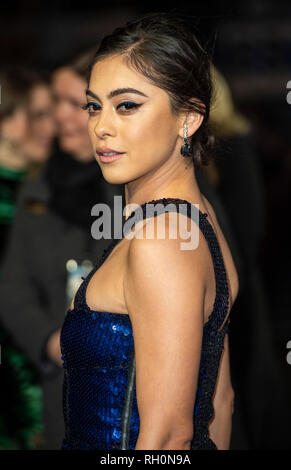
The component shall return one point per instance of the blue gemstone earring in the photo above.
(186, 149)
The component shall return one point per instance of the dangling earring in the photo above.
(186, 149)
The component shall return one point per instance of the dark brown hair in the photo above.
(164, 48)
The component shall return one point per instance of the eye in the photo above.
(91, 107)
(128, 106)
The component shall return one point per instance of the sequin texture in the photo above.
(99, 395)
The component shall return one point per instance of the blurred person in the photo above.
(26, 135)
(51, 245)
(40, 123)
(13, 132)
(151, 317)
(20, 397)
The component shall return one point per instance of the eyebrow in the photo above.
(118, 91)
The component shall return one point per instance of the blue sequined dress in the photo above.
(99, 396)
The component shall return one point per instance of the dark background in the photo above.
(251, 45)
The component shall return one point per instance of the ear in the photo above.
(193, 121)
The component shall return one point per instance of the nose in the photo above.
(104, 126)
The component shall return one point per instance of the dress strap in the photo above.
(220, 308)
(221, 304)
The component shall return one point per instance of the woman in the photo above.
(41, 124)
(20, 89)
(26, 135)
(151, 375)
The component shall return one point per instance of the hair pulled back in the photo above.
(164, 49)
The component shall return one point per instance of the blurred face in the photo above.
(14, 127)
(72, 122)
(129, 115)
(41, 125)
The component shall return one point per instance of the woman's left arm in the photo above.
(164, 291)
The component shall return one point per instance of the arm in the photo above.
(223, 402)
(164, 292)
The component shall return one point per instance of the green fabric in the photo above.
(7, 211)
(21, 399)
(12, 174)
(9, 182)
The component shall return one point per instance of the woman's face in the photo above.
(138, 122)
(72, 122)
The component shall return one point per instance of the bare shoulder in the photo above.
(162, 275)
(160, 240)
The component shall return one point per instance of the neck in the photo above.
(177, 181)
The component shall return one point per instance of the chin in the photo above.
(113, 178)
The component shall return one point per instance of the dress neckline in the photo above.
(81, 293)
(166, 200)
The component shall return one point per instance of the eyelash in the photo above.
(131, 103)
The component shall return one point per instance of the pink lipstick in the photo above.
(108, 155)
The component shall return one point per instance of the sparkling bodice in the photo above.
(99, 395)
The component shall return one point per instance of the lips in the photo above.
(108, 155)
(106, 152)
(110, 158)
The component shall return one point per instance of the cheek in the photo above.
(150, 131)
